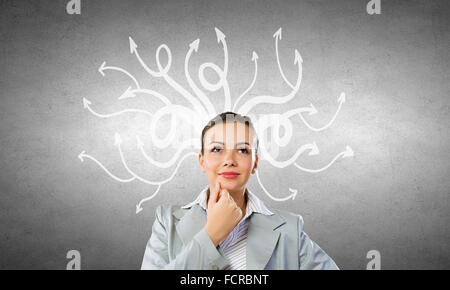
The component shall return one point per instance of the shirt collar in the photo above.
(254, 204)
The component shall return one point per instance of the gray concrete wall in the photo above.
(392, 195)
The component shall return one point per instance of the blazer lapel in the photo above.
(262, 236)
(262, 239)
(190, 223)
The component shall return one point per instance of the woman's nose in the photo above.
(229, 157)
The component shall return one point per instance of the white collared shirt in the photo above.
(234, 245)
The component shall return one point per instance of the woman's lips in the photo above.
(229, 175)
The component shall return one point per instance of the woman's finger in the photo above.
(215, 192)
(231, 198)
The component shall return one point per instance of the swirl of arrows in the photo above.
(202, 110)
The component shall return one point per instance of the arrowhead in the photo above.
(341, 98)
(298, 57)
(117, 139)
(86, 103)
(254, 56)
(277, 34)
(194, 44)
(138, 208)
(313, 110)
(133, 45)
(80, 156)
(220, 35)
(140, 144)
(314, 149)
(127, 94)
(348, 152)
(294, 193)
(101, 68)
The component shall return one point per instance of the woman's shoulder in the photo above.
(289, 217)
(168, 211)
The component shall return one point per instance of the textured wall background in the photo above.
(393, 195)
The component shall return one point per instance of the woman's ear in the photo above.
(255, 164)
(201, 161)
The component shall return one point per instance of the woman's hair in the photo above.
(230, 117)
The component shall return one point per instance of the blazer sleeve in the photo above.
(199, 254)
(311, 256)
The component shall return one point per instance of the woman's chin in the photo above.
(230, 184)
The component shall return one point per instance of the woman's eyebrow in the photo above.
(224, 143)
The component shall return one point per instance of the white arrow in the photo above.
(221, 38)
(201, 95)
(139, 205)
(132, 94)
(311, 110)
(133, 50)
(118, 142)
(185, 144)
(87, 103)
(341, 100)
(314, 150)
(127, 94)
(277, 36)
(164, 73)
(347, 153)
(247, 106)
(83, 155)
(255, 60)
(291, 196)
(103, 67)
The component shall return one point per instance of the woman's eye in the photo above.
(243, 150)
(216, 148)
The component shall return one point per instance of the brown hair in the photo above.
(229, 117)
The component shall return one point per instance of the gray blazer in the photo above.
(179, 241)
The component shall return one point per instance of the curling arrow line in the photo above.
(118, 142)
(298, 111)
(277, 36)
(247, 106)
(347, 153)
(255, 60)
(83, 155)
(201, 95)
(282, 164)
(222, 83)
(291, 196)
(221, 38)
(185, 144)
(160, 96)
(103, 67)
(226, 90)
(177, 112)
(133, 50)
(87, 103)
(341, 100)
(195, 103)
(163, 73)
(139, 205)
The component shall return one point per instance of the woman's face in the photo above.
(229, 147)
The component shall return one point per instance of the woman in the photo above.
(227, 226)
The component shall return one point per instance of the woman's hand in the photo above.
(223, 214)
